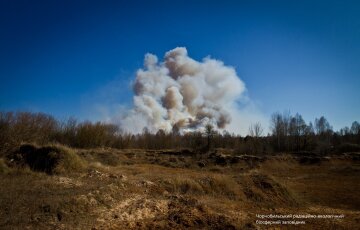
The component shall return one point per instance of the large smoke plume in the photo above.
(183, 94)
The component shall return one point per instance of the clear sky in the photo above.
(70, 58)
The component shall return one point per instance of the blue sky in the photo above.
(67, 57)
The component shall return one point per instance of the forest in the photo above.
(288, 133)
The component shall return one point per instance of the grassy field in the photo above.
(168, 189)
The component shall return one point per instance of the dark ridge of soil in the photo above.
(309, 160)
(223, 160)
(44, 159)
(183, 152)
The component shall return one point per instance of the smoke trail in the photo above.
(182, 93)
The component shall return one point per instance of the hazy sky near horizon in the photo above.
(78, 58)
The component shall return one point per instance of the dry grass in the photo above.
(69, 161)
(194, 184)
(133, 189)
(3, 167)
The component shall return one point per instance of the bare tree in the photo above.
(322, 126)
(209, 132)
(279, 125)
(355, 128)
(297, 130)
(256, 130)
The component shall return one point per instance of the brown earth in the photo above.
(137, 189)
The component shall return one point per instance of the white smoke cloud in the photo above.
(186, 94)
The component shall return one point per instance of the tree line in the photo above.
(288, 133)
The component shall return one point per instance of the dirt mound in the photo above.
(48, 159)
(170, 212)
(353, 156)
(105, 157)
(260, 188)
(347, 147)
(183, 152)
(305, 154)
(309, 160)
(188, 213)
(222, 159)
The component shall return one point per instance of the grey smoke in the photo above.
(180, 92)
